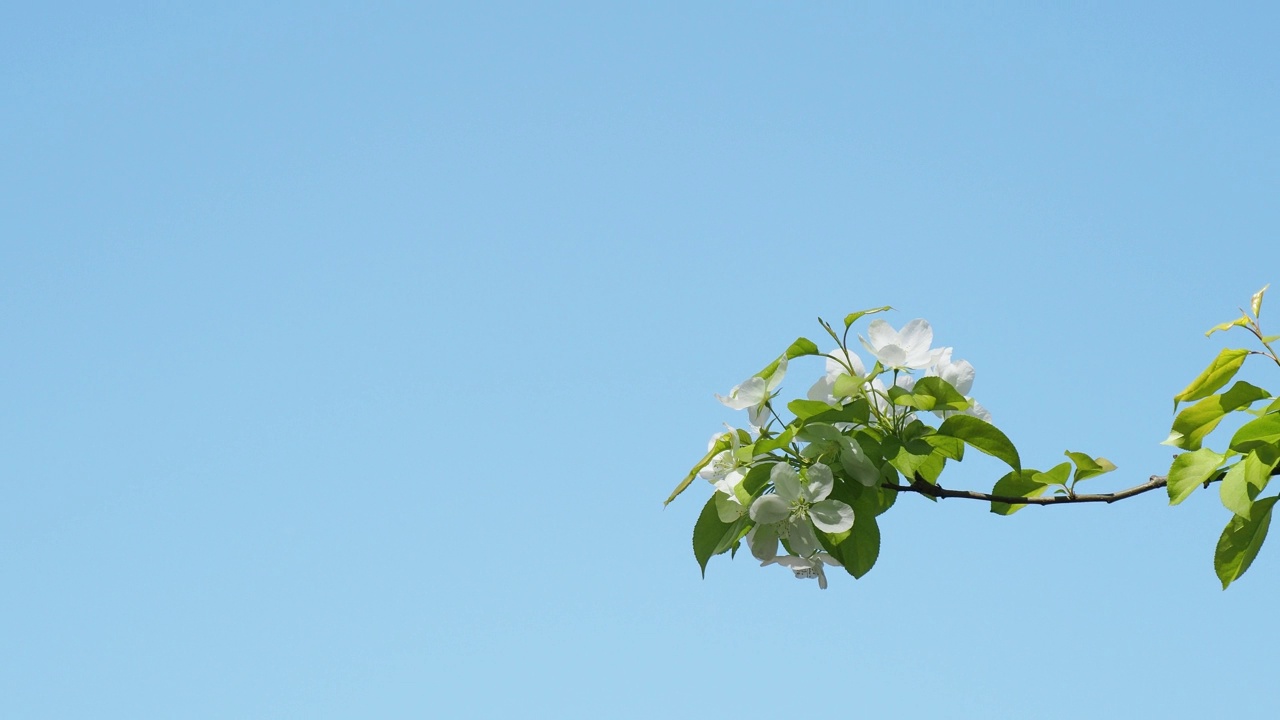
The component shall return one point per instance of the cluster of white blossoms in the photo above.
(799, 502)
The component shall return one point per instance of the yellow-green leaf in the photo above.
(1189, 471)
(1241, 539)
(1219, 373)
(1256, 302)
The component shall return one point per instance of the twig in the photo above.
(936, 491)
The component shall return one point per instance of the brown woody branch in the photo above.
(939, 492)
(923, 487)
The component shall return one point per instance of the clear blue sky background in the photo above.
(349, 350)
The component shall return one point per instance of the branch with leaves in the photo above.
(813, 486)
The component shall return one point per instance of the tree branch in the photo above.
(939, 492)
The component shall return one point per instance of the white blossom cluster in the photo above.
(799, 502)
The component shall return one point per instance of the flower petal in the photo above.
(822, 390)
(831, 516)
(778, 373)
(880, 333)
(891, 356)
(750, 392)
(763, 541)
(769, 509)
(820, 483)
(787, 482)
(835, 367)
(916, 336)
(801, 538)
(960, 374)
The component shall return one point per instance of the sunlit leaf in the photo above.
(1194, 423)
(852, 318)
(1241, 539)
(982, 436)
(1242, 321)
(1256, 301)
(1189, 471)
(1219, 373)
(1263, 431)
(1087, 467)
(1019, 484)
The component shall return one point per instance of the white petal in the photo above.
(960, 374)
(751, 392)
(978, 411)
(835, 367)
(787, 482)
(822, 578)
(763, 541)
(880, 333)
(780, 372)
(827, 559)
(769, 509)
(719, 466)
(758, 416)
(916, 336)
(831, 516)
(891, 356)
(821, 390)
(820, 483)
(801, 538)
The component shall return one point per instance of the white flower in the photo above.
(960, 374)
(753, 394)
(824, 389)
(806, 568)
(796, 508)
(907, 349)
(724, 461)
(729, 498)
(978, 411)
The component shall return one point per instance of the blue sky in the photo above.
(350, 350)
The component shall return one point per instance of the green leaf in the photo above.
(800, 348)
(858, 411)
(720, 446)
(852, 318)
(818, 432)
(805, 409)
(982, 436)
(1056, 475)
(1263, 431)
(847, 386)
(1194, 423)
(1242, 321)
(930, 393)
(1189, 471)
(1219, 373)
(947, 446)
(1087, 467)
(860, 550)
(1256, 301)
(757, 477)
(1019, 484)
(908, 458)
(783, 439)
(708, 533)
(1241, 539)
(1244, 481)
